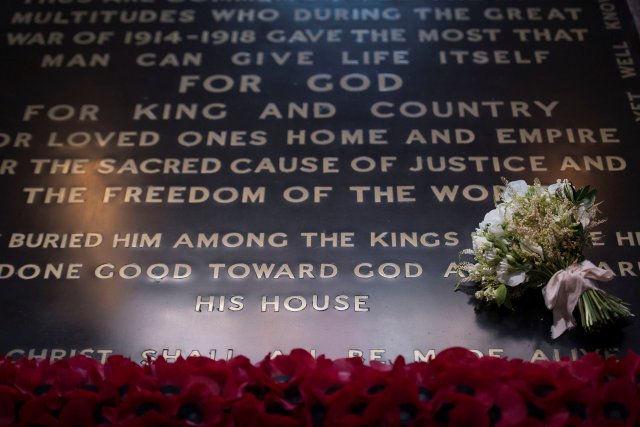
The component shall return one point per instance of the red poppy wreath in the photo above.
(455, 389)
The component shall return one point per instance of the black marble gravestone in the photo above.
(242, 177)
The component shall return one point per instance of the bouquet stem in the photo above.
(598, 308)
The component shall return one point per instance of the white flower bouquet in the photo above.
(535, 238)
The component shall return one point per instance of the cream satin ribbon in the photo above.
(563, 291)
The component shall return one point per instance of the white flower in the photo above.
(487, 294)
(501, 269)
(494, 220)
(533, 247)
(513, 279)
(491, 254)
(479, 242)
(583, 216)
(516, 279)
(553, 188)
(518, 188)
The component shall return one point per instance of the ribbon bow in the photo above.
(564, 289)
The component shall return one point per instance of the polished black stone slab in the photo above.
(291, 149)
